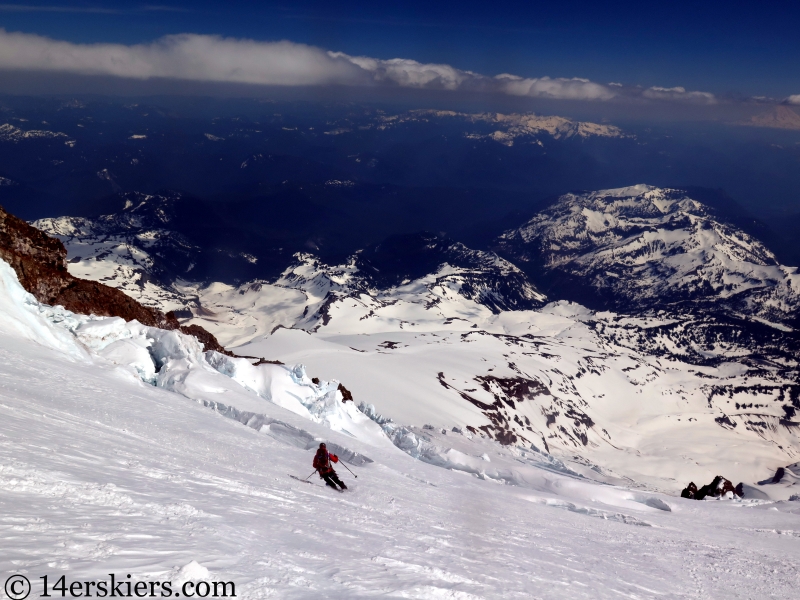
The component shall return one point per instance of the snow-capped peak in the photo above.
(643, 247)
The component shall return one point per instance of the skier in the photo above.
(322, 463)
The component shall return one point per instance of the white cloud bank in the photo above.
(793, 99)
(186, 56)
(679, 94)
(573, 89)
(217, 59)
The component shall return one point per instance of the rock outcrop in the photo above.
(40, 262)
(690, 491)
(718, 488)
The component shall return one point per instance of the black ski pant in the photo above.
(332, 479)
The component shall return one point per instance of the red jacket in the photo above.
(322, 461)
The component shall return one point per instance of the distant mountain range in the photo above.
(508, 128)
(629, 250)
(370, 170)
(9, 133)
(136, 251)
(778, 117)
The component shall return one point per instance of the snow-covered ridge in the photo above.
(10, 133)
(647, 247)
(135, 251)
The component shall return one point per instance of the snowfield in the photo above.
(563, 379)
(103, 472)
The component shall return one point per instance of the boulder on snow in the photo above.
(689, 491)
(716, 489)
(347, 395)
(779, 474)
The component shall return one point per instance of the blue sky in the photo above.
(751, 49)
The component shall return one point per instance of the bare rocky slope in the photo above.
(40, 263)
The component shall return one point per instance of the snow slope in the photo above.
(103, 473)
(646, 247)
(176, 362)
(574, 383)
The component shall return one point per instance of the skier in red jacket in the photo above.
(322, 463)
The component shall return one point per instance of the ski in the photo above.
(303, 480)
(312, 483)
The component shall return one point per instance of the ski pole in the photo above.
(348, 468)
(312, 472)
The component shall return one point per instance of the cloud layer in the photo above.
(217, 59)
(186, 56)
